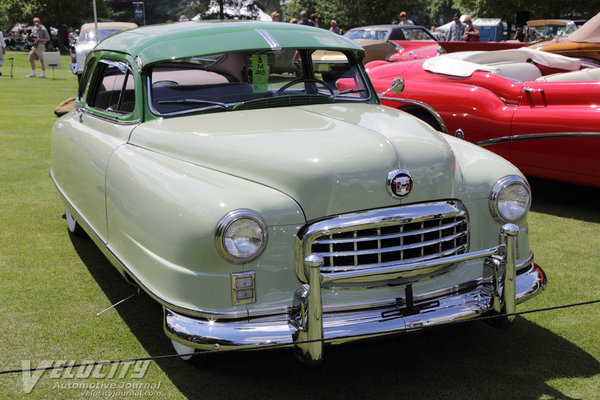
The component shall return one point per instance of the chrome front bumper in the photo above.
(307, 326)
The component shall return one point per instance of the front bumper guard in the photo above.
(308, 327)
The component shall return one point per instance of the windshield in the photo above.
(552, 30)
(371, 34)
(248, 80)
(89, 36)
(420, 34)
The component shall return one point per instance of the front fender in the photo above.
(477, 171)
(162, 214)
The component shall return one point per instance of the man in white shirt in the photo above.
(457, 30)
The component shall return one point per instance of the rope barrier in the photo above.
(274, 346)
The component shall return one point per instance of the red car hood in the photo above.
(389, 70)
(414, 50)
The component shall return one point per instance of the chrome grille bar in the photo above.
(418, 245)
(383, 237)
(452, 252)
(380, 236)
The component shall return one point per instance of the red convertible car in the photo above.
(539, 110)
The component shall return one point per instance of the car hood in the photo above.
(329, 158)
(393, 69)
(415, 50)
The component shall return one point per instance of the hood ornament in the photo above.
(399, 183)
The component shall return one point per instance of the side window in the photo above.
(83, 81)
(397, 34)
(113, 88)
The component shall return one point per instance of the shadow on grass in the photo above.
(471, 360)
(565, 200)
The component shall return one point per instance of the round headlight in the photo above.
(241, 236)
(510, 199)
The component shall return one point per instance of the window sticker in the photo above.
(260, 73)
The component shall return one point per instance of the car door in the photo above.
(555, 130)
(103, 119)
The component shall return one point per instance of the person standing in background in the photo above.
(304, 20)
(519, 35)
(334, 28)
(471, 31)
(457, 30)
(404, 20)
(2, 50)
(40, 36)
(315, 20)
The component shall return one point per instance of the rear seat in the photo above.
(515, 64)
(589, 74)
(519, 71)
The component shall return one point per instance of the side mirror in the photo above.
(397, 87)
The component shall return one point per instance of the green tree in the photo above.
(538, 9)
(156, 11)
(269, 6)
(53, 13)
(248, 9)
(353, 13)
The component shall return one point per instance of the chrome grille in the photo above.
(391, 236)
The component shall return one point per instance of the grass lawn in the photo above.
(53, 285)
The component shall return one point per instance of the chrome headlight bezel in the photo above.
(222, 235)
(499, 211)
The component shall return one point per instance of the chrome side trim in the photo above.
(434, 113)
(535, 136)
(113, 120)
(269, 39)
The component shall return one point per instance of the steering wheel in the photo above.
(300, 80)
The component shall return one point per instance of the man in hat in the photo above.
(404, 20)
(275, 16)
(39, 35)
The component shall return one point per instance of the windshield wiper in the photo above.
(196, 101)
(349, 91)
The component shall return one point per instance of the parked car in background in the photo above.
(88, 38)
(409, 41)
(536, 109)
(551, 28)
(265, 208)
(583, 43)
(393, 42)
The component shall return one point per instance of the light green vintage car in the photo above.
(263, 206)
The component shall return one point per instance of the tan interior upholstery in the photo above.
(513, 64)
(589, 74)
(518, 71)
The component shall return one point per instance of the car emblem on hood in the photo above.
(399, 183)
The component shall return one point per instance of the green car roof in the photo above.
(184, 39)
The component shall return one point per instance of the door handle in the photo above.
(529, 90)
